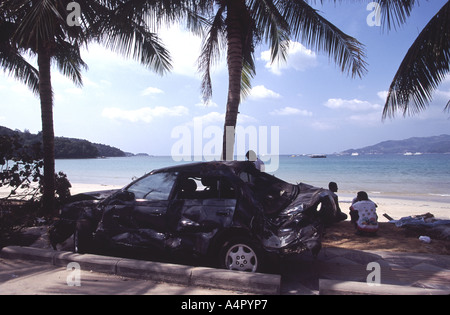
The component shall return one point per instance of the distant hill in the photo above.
(68, 148)
(436, 144)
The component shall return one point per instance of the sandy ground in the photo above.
(389, 238)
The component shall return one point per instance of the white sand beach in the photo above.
(398, 207)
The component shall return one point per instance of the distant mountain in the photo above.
(68, 148)
(436, 144)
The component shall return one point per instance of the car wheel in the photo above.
(240, 254)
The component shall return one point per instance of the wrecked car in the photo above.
(228, 211)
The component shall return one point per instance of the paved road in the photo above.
(19, 277)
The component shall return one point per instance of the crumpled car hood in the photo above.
(299, 226)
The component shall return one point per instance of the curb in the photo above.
(255, 283)
(336, 287)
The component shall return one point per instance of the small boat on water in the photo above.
(318, 156)
(410, 153)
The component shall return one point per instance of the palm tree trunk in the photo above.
(235, 66)
(48, 135)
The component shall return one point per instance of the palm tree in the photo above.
(240, 25)
(12, 60)
(424, 67)
(40, 27)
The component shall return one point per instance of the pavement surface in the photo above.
(25, 277)
(335, 271)
(303, 274)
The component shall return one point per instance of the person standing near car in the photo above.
(252, 157)
(363, 213)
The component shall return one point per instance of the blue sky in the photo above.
(317, 108)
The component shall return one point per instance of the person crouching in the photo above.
(363, 214)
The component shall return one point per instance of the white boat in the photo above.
(355, 154)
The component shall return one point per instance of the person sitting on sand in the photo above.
(363, 214)
(340, 216)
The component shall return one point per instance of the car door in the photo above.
(210, 207)
(152, 198)
(137, 216)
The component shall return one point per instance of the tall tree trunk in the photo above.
(48, 135)
(235, 66)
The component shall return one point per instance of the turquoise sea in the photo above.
(422, 176)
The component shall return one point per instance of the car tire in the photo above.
(82, 238)
(241, 254)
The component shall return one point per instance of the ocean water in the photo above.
(426, 175)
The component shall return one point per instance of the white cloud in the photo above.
(299, 58)
(287, 111)
(366, 119)
(322, 126)
(353, 105)
(444, 94)
(261, 92)
(210, 118)
(207, 104)
(185, 49)
(74, 91)
(100, 57)
(383, 95)
(151, 91)
(218, 119)
(145, 114)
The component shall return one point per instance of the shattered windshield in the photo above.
(273, 193)
(154, 187)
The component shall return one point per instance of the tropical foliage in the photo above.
(41, 28)
(238, 26)
(425, 65)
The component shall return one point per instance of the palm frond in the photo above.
(422, 70)
(274, 27)
(393, 12)
(248, 73)
(12, 60)
(20, 69)
(39, 23)
(130, 36)
(314, 30)
(213, 43)
(133, 41)
(69, 62)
